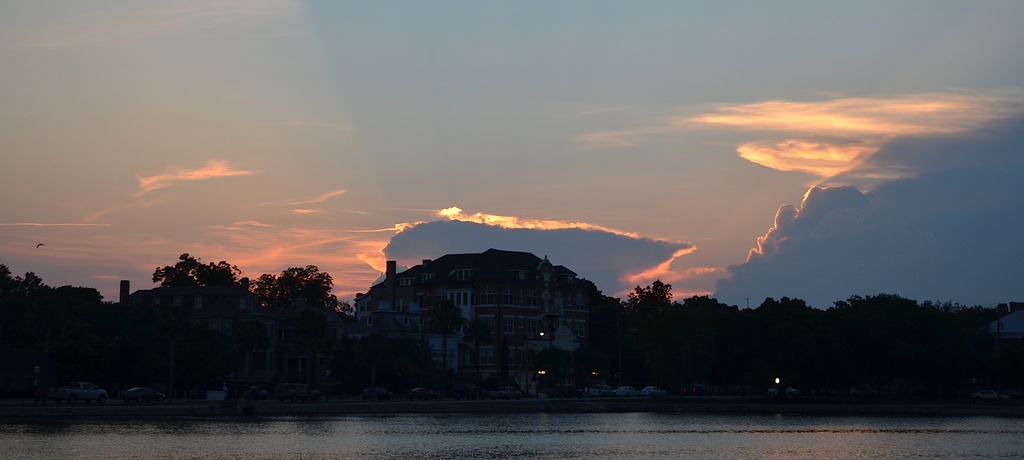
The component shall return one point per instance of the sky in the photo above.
(737, 149)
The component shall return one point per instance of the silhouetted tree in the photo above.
(190, 271)
(308, 283)
(477, 332)
(446, 318)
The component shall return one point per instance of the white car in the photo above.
(599, 390)
(627, 391)
(989, 394)
(791, 392)
(653, 392)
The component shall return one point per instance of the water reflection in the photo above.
(468, 436)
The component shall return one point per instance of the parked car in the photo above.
(78, 391)
(696, 389)
(600, 390)
(791, 392)
(295, 392)
(863, 392)
(143, 394)
(989, 395)
(423, 394)
(506, 393)
(565, 390)
(468, 391)
(377, 394)
(653, 392)
(626, 391)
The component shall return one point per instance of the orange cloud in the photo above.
(838, 135)
(659, 271)
(815, 157)
(455, 213)
(213, 169)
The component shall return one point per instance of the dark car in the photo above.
(377, 394)
(295, 392)
(423, 394)
(696, 389)
(143, 394)
(467, 391)
(565, 390)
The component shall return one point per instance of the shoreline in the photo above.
(27, 411)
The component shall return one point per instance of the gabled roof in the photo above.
(492, 264)
(1009, 326)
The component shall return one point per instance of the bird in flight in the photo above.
(40, 244)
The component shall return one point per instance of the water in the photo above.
(520, 436)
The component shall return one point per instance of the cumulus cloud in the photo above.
(951, 232)
(615, 261)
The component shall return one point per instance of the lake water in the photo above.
(520, 436)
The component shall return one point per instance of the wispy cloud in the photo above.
(827, 138)
(622, 138)
(318, 199)
(212, 170)
(455, 213)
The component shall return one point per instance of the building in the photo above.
(529, 303)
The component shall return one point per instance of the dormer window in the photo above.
(428, 276)
(405, 282)
(462, 274)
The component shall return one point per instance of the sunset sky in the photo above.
(815, 150)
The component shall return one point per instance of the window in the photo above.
(546, 298)
(462, 274)
(486, 296)
(520, 322)
(405, 321)
(405, 282)
(197, 302)
(400, 304)
(510, 296)
(487, 355)
(177, 300)
(489, 321)
(579, 300)
(509, 324)
(461, 298)
(581, 328)
(244, 303)
(558, 299)
(428, 276)
(531, 326)
(532, 298)
(369, 320)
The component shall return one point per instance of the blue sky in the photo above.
(737, 149)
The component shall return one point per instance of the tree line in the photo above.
(900, 346)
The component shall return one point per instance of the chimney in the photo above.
(425, 262)
(244, 282)
(391, 281)
(124, 292)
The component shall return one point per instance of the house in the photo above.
(529, 303)
(1010, 324)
